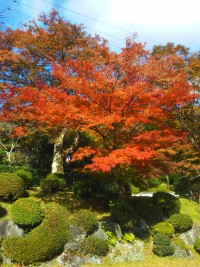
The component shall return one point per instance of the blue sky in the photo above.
(155, 21)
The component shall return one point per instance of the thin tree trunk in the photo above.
(57, 164)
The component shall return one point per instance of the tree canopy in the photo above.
(56, 79)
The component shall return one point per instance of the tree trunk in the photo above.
(57, 164)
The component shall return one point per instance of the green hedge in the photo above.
(52, 183)
(11, 186)
(86, 220)
(95, 246)
(123, 213)
(26, 211)
(42, 243)
(161, 240)
(163, 251)
(26, 176)
(163, 228)
(168, 203)
(162, 245)
(181, 222)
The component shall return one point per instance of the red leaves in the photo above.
(129, 100)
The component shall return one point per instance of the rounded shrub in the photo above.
(142, 204)
(181, 222)
(43, 242)
(12, 186)
(52, 183)
(164, 228)
(86, 220)
(95, 246)
(26, 176)
(161, 240)
(163, 251)
(27, 212)
(84, 188)
(168, 203)
(123, 213)
(197, 245)
(111, 187)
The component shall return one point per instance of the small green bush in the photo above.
(168, 203)
(111, 187)
(197, 245)
(11, 186)
(163, 228)
(86, 220)
(128, 237)
(163, 251)
(123, 213)
(84, 188)
(43, 242)
(52, 183)
(95, 246)
(142, 204)
(26, 176)
(181, 222)
(111, 239)
(161, 240)
(26, 211)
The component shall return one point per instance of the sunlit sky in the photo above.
(154, 21)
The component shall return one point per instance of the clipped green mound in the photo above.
(43, 242)
(163, 228)
(53, 183)
(86, 220)
(11, 186)
(167, 202)
(26, 211)
(181, 222)
(95, 246)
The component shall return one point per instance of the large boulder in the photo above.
(190, 236)
(9, 228)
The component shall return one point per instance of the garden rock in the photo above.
(71, 257)
(113, 227)
(190, 236)
(100, 233)
(127, 252)
(182, 253)
(9, 228)
(141, 230)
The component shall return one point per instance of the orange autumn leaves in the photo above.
(127, 100)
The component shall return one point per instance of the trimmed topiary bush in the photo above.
(197, 245)
(27, 212)
(163, 251)
(86, 220)
(11, 186)
(162, 245)
(95, 246)
(161, 240)
(181, 222)
(163, 228)
(111, 187)
(168, 203)
(52, 183)
(142, 204)
(84, 188)
(43, 242)
(123, 213)
(26, 176)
